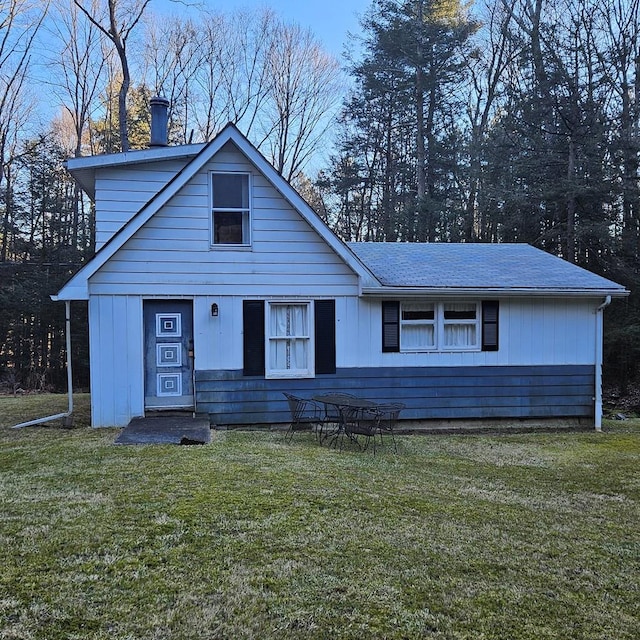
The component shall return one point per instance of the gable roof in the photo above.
(77, 288)
(384, 268)
(454, 269)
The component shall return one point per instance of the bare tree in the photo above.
(20, 21)
(172, 55)
(233, 75)
(271, 79)
(621, 19)
(78, 66)
(116, 21)
(487, 64)
(307, 86)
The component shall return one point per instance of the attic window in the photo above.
(230, 209)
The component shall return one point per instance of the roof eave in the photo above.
(84, 168)
(72, 291)
(529, 292)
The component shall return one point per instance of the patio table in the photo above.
(345, 405)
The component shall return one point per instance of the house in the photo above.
(216, 287)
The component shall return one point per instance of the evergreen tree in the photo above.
(400, 119)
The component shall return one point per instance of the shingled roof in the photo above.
(481, 267)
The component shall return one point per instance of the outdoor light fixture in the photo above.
(214, 310)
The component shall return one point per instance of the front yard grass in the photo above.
(516, 536)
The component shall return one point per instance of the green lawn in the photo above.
(479, 537)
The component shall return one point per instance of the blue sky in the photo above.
(330, 20)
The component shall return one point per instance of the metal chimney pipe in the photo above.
(159, 121)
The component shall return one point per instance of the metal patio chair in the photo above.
(332, 416)
(306, 415)
(388, 418)
(362, 423)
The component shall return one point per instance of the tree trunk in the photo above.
(570, 240)
(5, 218)
(421, 177)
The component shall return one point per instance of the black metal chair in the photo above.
(362, 423)
(388, 418)
(370, 422)
(306, 415)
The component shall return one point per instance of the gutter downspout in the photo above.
(69, 411)
(599, 348)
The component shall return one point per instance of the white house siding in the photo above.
(121, 192)
(564, 335)
(116, 354)
(172, 255)
(532, 332)
(218, 341)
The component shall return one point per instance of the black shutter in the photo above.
(253, 337)
(390, 326)
(490, 316)
(325, 335)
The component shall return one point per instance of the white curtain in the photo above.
(459, 335)
(418, 336)
(289, 337)
(463, 334)
(418, 311)
(465, 310)
(418, 327)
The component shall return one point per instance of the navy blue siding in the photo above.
(429, 393)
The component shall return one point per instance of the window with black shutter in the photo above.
(423, 326)
(284, 319)
(253, 337)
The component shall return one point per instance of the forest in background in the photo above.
(452, 122)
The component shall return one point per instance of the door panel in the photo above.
(168, 331)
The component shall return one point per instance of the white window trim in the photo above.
(249, 211)
(431, 323)
(309, 372)
(439, 324)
